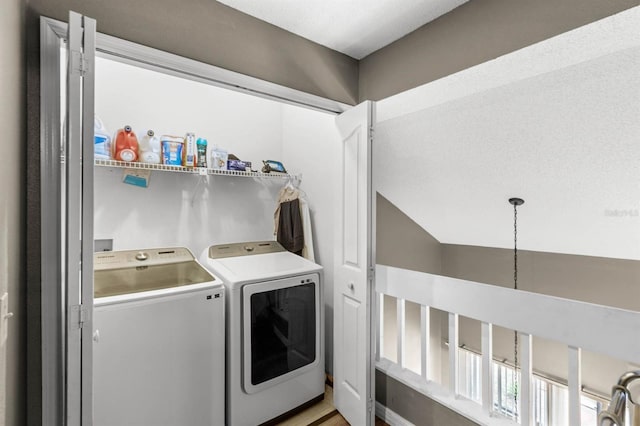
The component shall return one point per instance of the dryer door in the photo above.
(281, 330)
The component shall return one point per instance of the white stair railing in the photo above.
(579, 325)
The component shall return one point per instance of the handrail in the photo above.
(615, 414)
(575, 323)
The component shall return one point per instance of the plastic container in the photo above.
(101, 140)
(125, 145)
(150, 151)
(201, 145)
(172, 147)
(219, 159)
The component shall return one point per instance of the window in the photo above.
(550, 398)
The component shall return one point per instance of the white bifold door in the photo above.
(76, 237)
(354, 269)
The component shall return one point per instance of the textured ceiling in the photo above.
(354, 27)
(567, 140)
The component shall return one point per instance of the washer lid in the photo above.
(134, 271)
(261, 267)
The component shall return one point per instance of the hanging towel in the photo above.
(290, 231)
(289, 193)
(307, 250)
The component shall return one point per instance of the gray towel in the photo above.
(290, 231)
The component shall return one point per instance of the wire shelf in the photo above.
(188, 170)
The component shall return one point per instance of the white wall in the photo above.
(247, 126)
(179, 209)
(188, 210)
(310, 145)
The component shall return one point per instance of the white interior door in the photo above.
(354, 268)
(78, 263)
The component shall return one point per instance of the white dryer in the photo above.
(275, 332)
(158, 355)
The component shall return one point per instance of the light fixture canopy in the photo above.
(515, 201)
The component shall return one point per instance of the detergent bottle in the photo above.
(150, 148)
(201, 145)
(125, 145)
(101, 139)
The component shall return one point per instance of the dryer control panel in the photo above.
(221, 251)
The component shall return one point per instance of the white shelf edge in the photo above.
(188, 170)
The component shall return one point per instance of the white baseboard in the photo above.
(391, 417)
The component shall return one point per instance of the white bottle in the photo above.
(101, 140)
(150, 148)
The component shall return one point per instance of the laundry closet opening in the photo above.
(147, 208)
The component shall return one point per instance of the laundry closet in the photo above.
(274, 357)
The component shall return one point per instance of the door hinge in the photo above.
(79, 315)
(78, 63)
(370, 405)
(371, 273)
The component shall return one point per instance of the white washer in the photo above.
(275, 332)
(158, 353)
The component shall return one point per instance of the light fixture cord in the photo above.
(515, 287)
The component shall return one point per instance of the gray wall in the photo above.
(475, 32)
(403, 243)
(211, 32)
(12, 123)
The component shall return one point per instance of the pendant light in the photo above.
(515, 202)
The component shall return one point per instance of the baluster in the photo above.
(526, 376)
(453, 353)
(575, 385)
(487, 367)
(425, 341)
(401, 327)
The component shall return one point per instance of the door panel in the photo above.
(350, 309)
(86, 285)
(354, 261)
(78, 217)
(350, 209)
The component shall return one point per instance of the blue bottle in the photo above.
(201, 145)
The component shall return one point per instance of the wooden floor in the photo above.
(322, 413)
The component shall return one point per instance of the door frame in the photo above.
(49, 380)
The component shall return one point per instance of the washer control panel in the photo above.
(144, 257)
